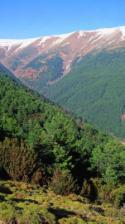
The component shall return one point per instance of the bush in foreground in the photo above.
(63, 183)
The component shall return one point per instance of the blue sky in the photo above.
(34, 18)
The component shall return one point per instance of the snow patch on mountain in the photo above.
(9, 43)
(104, 32)
(44, 39)
(122, 29)
(64, 36)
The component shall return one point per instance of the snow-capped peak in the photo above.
(9, 43)
(19, 44)
(64, 36)
(122, 29)
(103, 31)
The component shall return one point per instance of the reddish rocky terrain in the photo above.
(18, 55)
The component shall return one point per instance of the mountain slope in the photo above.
(6, 71)
(82, 71)
(19, 55)
(95, 90)
(36, 136)
(40, 143)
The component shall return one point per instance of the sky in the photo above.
(35, 18)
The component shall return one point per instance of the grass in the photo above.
(28, 204)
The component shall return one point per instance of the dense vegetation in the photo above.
(42, 144)
(94, 90)
(55, 141)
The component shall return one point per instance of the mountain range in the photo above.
(82, 71)
(56, 168)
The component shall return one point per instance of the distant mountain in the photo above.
(30, 58)
(83, 71)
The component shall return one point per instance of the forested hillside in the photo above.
(39, 128)
(43, 145)
(94, 90)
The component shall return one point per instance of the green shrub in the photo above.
(63, 183)
(36, 215)
(109, 162)
(89, 190)
(7, 212)
(118, 196)
(71, 220)
(103, 191)
(86, 189)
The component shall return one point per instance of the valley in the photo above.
(82, 71)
